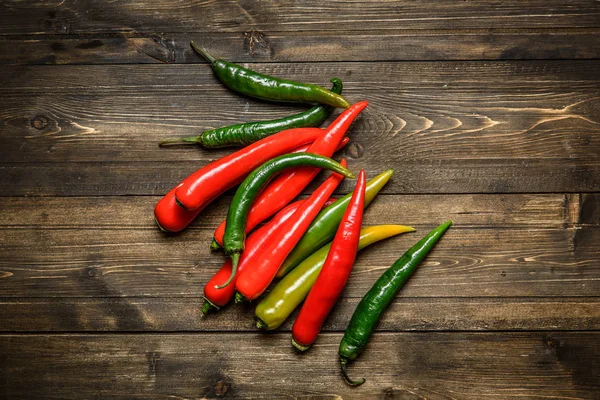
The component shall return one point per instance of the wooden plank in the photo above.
(470, 210)
(255, 46)
(78, 17)
(468, 262)
(455, 132)
(159, 314)
(401, 365)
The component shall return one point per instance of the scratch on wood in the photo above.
(573, 218)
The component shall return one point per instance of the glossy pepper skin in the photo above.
(290, 183)
(323, 228)
(171, 217)
(254, 281)
(207, 183)
(235, 231)
(374, 303)
(283, 299)
(253, 84)
(215, 297)
(250, 132)
(334, 274)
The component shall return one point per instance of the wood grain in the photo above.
(121, 16)
(534, 365)
(257, 46)
(157, 314)
(468, 262)
(519, 135)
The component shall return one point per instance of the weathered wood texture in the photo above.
(533, 129)
(397, 365)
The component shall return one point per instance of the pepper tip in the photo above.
(235, 258)
(299, 347)
(208, 307)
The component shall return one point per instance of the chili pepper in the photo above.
(334, 274)
(216, 298)
(170, 217)
(381, 294)
(235, 232)
(291, 183)
(253, 84)
(273, 310)
(323, 228)
(250, 132)
(204, 185)
(252, 282)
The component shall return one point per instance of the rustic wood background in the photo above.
(489, 111)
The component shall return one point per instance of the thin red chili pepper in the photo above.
(215, 297)
(171, 217)
(289, 184)
(210, 181)
(334, 274)
(252, 282)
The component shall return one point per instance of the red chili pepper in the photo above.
(215, 297)
(252, 282)
(289, 184)
(173, 218)
(210, 181)
(334, 274)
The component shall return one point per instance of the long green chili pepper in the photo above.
(274, 309)
(323, 228)
(250, 132)
(381, 294)
(266, 87)
(235, 230)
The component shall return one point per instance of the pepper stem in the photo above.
(298, 347)
(343, 362)
(260, 324)
(215, 245)
(183, 140)
(235, 258)
(209, 306)
(240, 298)
(202, 52)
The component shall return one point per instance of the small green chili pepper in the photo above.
(250, 132)
(235, 229)
(273, 310)
(323, 228)
(373, 304)
(266, 87)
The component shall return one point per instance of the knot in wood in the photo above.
(355, 150)
(39, 122)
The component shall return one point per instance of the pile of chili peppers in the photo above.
(309, 245)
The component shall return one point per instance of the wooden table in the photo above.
(488, 111)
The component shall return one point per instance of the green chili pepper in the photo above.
(250, 132)
(266, 87)
(235, 229)
(273, 310)
(323, 228)
(374, 303)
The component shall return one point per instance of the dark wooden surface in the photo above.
(488, 111)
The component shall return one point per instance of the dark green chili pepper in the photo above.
(323, 228)
(235, 229)
(374, 303)
(250, 132)
(265, 87)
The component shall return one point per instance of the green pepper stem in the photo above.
(183, 140)
(343, 363)
(202, 52)
(260, 324)
(240, 298)
(235, 259)
(298, 347)
(215, 245)
(209, 306)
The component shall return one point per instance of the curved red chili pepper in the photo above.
(252, 282)
(216, 297)
(334, 274)
(210, 181)
(290, 184)
(173, 218)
